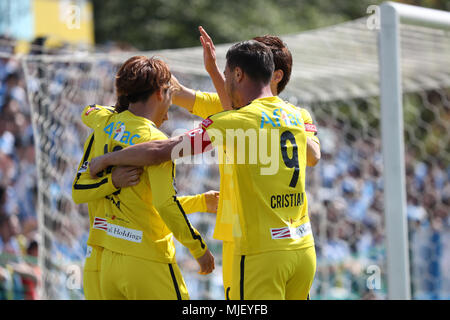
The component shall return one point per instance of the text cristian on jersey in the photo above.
(287, 200)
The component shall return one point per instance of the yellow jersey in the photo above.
(140, 220)
(88, 190)
(270, 210)
(207, 104)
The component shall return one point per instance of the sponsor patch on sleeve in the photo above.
(207, 122)
(90, 110)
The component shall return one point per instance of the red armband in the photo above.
(200, 141)
(309, 127)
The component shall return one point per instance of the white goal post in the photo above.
(392, 14)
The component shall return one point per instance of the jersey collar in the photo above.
(273, 99)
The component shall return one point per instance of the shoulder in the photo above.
(206, 104)
(218, 117)
(209, 97)
(129, 129)
(229, 119)
(145, 128)
(97, 109)
(94, 113)
(306, 115)
(143, 134)
(310, 127)
(156, 134)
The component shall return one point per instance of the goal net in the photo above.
(336, 77)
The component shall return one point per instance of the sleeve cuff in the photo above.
(110, 184)
(199, 252)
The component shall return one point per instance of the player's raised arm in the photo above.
(210, 62)
(184, 97)
(202, 104)
(187, 98)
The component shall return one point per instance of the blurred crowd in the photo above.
(19, 274)
(345, 195)
(346, 207)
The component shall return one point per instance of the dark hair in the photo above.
(3, 190)
(254, 58)
(282, 58)
(138, 78)
(33, 244)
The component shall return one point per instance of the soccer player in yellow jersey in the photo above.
(204, 104)
(274, 255)
(87, 190)
(138, 260)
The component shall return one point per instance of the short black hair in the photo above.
(254, 58)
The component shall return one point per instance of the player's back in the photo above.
(267, 142)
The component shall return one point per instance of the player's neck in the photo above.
(274, 88)
(141, 110)
(252, 92)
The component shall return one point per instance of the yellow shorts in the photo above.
(91, 273)
(227, 266)
(274, 275)
(124, 277)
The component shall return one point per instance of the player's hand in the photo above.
(126, 176)
(209, 51)
(206, 263)
(175, 86)
(97, 165)
(212, 201)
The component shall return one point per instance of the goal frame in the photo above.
(392, 135)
